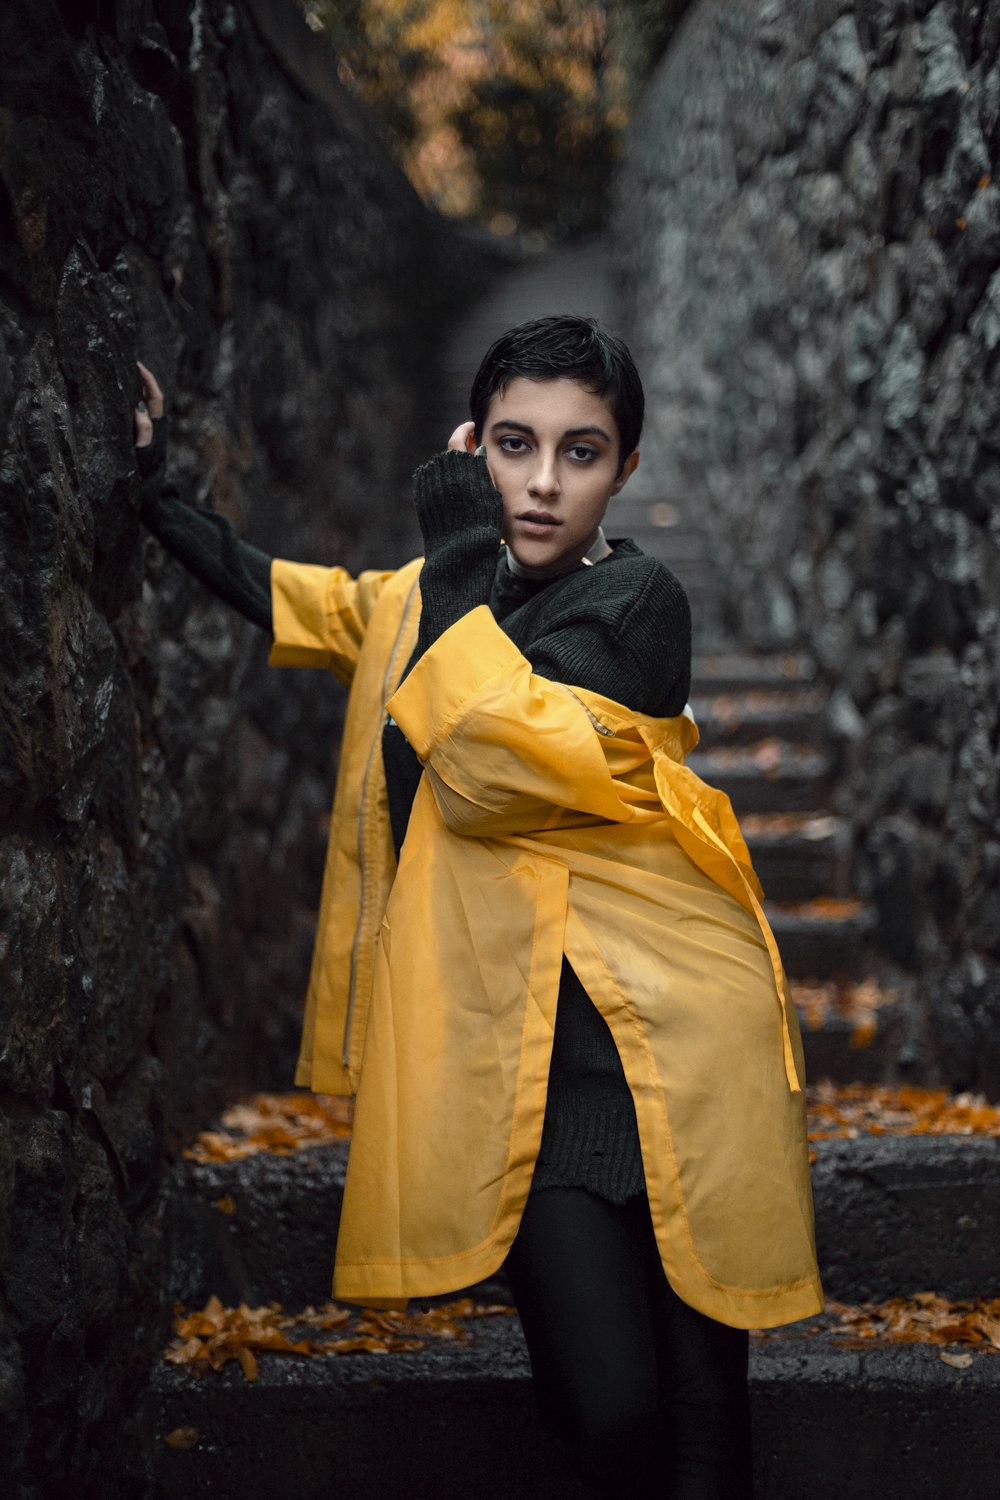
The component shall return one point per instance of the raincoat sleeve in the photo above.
(505, 751)
(320, 615)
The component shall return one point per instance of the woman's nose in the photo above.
(544, 479)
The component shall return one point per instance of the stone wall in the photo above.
(174, 192)
(811, 232)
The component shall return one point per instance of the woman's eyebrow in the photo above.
(571, 432)
(517, 426)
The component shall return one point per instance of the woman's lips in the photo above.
(536, 523)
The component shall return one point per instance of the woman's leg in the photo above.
(579, 1281)
(703, 1383)
(646, 1396)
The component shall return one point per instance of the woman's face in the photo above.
(552, 448)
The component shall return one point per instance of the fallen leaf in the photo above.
(226, 1204)
(831, 907)
(182, 1437)
(957, 1361)
(864, 1033)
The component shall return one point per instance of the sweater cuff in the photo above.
(461, 515)
(454, 491)
(152, 459)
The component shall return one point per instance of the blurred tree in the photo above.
(507, 111)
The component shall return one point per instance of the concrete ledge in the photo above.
(894, 1215)
(799, 784)
(278, 1240)
(903, 1214)
(277, 1243)
(893, 1422)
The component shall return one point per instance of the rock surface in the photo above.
(171, 192)
(810, 230)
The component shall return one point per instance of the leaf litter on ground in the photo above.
(923, 1318)
(212, 1337)
(280, 1124)
(284, 1124)
(845, 1111)
(817, 1001)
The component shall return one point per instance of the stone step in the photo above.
(799, 855)
(452, 1422)
(900, 1214)
(894, 1214)
(836, 1049)
(875, 1422)
(736, 672)
(823, 939)
(770, 775)
(745, 718)
(252, 1230)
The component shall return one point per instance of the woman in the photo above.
(541, 961)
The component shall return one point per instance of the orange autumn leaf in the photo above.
(824, 906)
(182, 1437)
(864, 1033)
(183, 1351)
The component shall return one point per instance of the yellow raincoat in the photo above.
(549, 820)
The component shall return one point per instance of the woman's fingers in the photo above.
(459, 440)
(143, 426)
(149, 409)
(151, 391)
(463, 441)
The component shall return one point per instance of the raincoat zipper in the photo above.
(363, 823)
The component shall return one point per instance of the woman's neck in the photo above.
(597, 550)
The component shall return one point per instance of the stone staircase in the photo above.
(895, 1216)
(830, 1420)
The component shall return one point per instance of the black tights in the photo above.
(645, 1396)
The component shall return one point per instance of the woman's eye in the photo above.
(512, 444)
(582, 453)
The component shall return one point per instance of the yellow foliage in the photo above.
(427, 66)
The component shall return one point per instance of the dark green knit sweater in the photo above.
(620, 628)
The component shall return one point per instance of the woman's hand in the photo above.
(459, 440)
(149, 409)
(463, 440)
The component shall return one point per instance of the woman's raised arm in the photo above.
(202, 540)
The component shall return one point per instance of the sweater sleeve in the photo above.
(205, 542)
(461, 515)
(641, 658)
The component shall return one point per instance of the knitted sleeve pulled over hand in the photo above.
(461, 516)
(204, 541)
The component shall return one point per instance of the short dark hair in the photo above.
(569, 348)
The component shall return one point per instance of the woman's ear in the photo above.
(628, 468)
